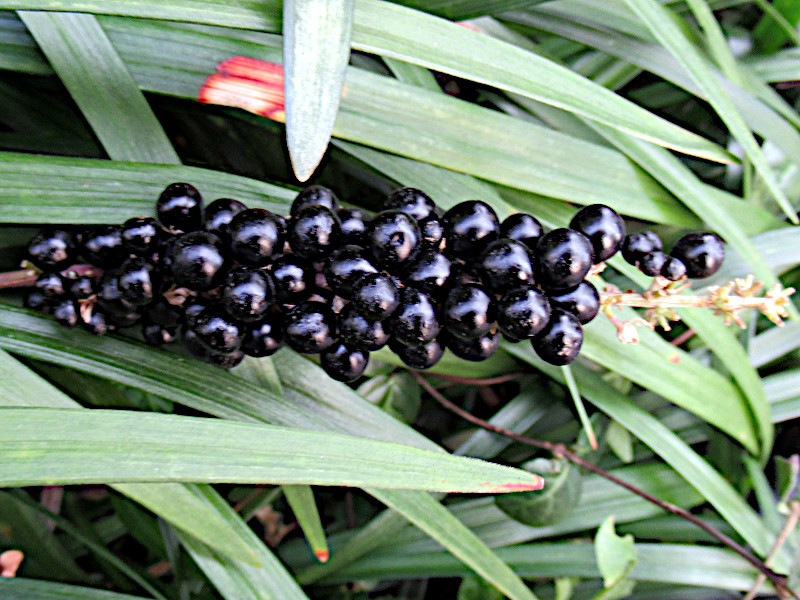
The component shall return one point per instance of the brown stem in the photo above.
(476, 381)
(27, 277)
(561, 451)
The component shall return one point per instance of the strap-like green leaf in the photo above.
(301, 501)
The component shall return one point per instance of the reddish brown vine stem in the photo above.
(561, 451)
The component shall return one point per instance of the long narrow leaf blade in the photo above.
(301, 501)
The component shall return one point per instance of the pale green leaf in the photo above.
(616, 555)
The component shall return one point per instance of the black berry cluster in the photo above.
(232, 281)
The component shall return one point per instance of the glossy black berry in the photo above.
(138, 282)
(376, 296)
(415, 321)
(636, 245)
(196, 261)
(141, 235)
(225, 360)
(583, 302)
(310, 327)
(358, 331)
(560, 341)
(217, 331)
(315, 195)
(82, 288)
(604, 228)
(247, 294)
(103, 246)
(219, 215)
(652, 263)
(344, 363)
(506, 264)
(345, 266)
(673, 269)
(98, 323)
(193, 308)
(36, 301)
(432, 233)
(256, 236)
(314, 232)
(394, 238)
(51, 285)
(522, 228)
(66, 313)
(564, 258)
(429, 272)
(354, 225)
(52, 249)
(469, 311)
(423, 356)
(475, 349)
(264, 337)
(469, 227)
(702, 253)
(522, 313)
(180, 208)
(293, 278)
(415, 203)
(157, 335)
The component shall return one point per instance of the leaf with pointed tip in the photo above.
(316, 51)
(301, 501)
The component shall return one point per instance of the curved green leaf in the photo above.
(18, 588)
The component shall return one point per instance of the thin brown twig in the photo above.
(791, 523)
(684, 337)
(561, 451)
(480, 381)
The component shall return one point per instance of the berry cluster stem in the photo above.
(561, 451)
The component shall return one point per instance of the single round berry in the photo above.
(219, 215)
(51, 285)
(358, 331)
(225, 360)
(98, 323)
(702, 253)
(506, 264)
(138, 281)
(82, 288)
(247, 294)
(103, 246)
(429, 272)
(141, 235)
(415, 321)
(36, 301)
(560, 341)
(604, 228)
(293, 278)
(673, 269)
(423, 356)
(66, 314)
(314, 232)
(344, 363)
(180, 208)
(523, 228)
(522, 313)
(157, 335)
(564, 258)
(394, 238)
(109, 298)
(432, 233)
(346, 266)
(217, 331)
(256, 236)
(315, 195)
(475, 349)
(263, 338)
(583, 302)
(415, 203)
(469, 311)
(310, 327)
(193, 308)
(52, 249)
(165, 314)
(354, 225)
(196, 261)
(376, 296)
(636, 245)
(469, 227)
(652, 263)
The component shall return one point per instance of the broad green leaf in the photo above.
(779, 23)
(48, 447)
(18, 588)
(49, 189)
(301, 501)
(83, 58)
(412, 74)
(316, 50)
(775, 68)
(616, 555)
(668, 32)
